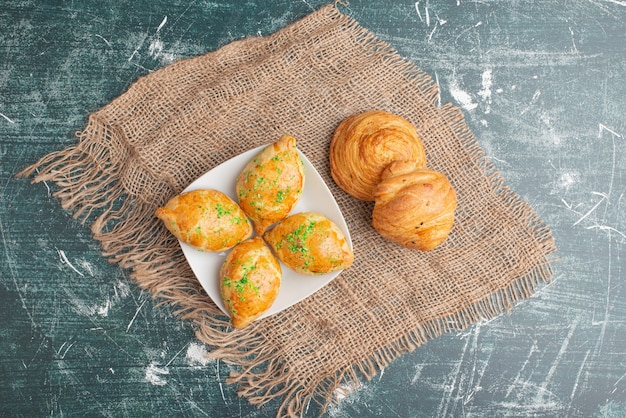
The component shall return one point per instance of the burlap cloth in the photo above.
(175, 124)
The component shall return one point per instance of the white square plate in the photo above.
(316, 197)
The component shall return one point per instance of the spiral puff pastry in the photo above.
(414, 207)
(364, 144)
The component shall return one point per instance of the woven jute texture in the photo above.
(177, 123)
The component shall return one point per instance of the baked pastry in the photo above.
(310, 243)
(206, 219)
(250, 279)
(271, 184)
(364, 144)
(414, 207)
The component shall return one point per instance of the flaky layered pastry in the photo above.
(206, 219)
(250, 279)
(310, 243)
(364, 144)
(414, 206)
(271, 184)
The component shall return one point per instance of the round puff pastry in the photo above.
(310, 243)
(206, 219)
(364, 144)
(250, 279)
(414, 207)
(271, 184)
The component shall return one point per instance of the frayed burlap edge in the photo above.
(91, 189)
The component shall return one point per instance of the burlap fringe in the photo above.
(262, 376)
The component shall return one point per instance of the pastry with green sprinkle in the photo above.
(250, 279)
(206, 219)
(271, 184)
(310, 243)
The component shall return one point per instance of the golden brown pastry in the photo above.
(364, 144)
(250, 279)
(414, 207)
(205, 219)
(310, 243)
(271, 184)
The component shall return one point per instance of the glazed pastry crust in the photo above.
(414, 207)
(208, 220)
(250, 279)
(271, 184)
(364, 144)
(310, 243)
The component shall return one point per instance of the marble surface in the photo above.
(542, 85)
